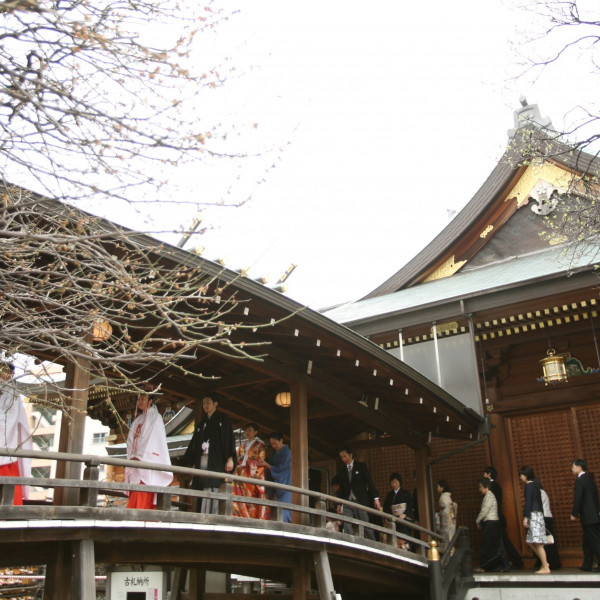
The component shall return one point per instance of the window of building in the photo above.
(46, 413)
(43, 472)
(99, 438)
(44, 442)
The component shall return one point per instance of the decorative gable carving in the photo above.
(538, 180)
(448, 268)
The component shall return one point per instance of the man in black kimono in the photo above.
(212, 449)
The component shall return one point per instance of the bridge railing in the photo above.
(177, 504)
(450, 574)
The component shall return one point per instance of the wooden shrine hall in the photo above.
(497, 292)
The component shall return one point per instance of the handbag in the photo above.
(549, 538)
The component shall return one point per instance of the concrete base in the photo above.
(566, 584)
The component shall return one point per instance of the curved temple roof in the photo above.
(353, 385)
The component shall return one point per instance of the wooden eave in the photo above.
(492, 301)
(506, 321)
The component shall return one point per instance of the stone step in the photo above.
(566, 584)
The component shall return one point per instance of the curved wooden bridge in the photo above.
(73, 537)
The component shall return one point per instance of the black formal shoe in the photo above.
(584, 569)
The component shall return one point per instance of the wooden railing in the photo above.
(82, 499)
(178, 504)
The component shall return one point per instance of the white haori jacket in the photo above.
(14, 429)
(147, 442)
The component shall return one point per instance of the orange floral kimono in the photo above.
(250, 453)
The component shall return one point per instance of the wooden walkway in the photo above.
(75, 536)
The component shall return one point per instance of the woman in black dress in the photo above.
(533, 518)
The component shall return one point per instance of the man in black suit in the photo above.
(496, 489)
(585, 506)
(357, 486)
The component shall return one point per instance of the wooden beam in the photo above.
(237, 380)
(324, 412)
(347, 400)
(330, 389)
(382, 442)
(266, 422)
(374, 418)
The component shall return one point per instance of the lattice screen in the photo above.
(387, 460)
(547, 443)
(588, 426)
(462, 472)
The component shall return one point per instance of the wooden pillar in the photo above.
(84, 570)
(72, 429)
(57, 585)
(299, 446)
(323, 573)
(197, 584)
(178, 582)
(500, 458)
(423, 491)
(301, 577)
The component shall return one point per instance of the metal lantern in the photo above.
(101, 331)
(554, 367)
(283, 399)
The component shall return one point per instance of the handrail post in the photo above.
(7, 494)
(226, 506)
(163, 501)
(394, 534)
(464, 544)
(436, 586)
(321, 520)
(89, 496)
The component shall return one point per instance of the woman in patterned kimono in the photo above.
(448, 510)
(250, 454)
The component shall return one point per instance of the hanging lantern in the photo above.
(554, 367)
(101, 331)
(283, 399)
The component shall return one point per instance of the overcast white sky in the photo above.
(394, 112)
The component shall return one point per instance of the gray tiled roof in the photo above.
(506, 274)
